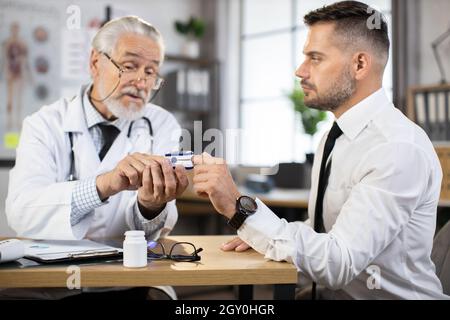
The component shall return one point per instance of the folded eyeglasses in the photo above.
(179, 251)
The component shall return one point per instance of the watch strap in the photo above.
(241, 214)
(237, 220)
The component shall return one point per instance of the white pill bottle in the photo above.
(135, 249)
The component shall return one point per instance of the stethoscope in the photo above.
(130, 128)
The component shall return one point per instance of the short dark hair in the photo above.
(351, 22)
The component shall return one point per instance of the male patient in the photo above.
(375, 183)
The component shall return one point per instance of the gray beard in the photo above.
(131, 113)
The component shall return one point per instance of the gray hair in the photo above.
(106, 38)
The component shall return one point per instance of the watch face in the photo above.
(248, 204)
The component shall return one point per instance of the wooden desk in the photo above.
(444, 203)
(215, 268)
(293, 201)
(286, 198)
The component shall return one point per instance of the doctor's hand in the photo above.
(133, 173)
(160, 184)
(127, 175)
(212, 179)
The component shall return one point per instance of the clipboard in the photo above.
(62, 251)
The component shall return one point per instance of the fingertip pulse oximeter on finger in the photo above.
(183, 158)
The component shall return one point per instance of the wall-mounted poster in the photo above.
(42, 58)
(45, 48)
(16, 70)
(27, 59)
(40, 34)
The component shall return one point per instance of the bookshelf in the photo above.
(429, 107)
(191, 93)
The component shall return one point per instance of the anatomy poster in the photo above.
(45, 48)
(28, 65)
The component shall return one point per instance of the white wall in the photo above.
(435, 20)
(228, 41)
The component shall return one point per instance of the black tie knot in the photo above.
(109, 134)
(335, 132)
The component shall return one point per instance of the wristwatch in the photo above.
(245, 207)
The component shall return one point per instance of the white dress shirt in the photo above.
(379, 211)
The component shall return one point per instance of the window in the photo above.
(270, 53)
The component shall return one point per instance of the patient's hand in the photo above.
(236, 244)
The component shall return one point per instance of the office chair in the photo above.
(293, 176)
(441, 256)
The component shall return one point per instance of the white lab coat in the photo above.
(39, 198)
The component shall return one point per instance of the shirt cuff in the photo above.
(260, 228)
(85, 199)
(140, 220)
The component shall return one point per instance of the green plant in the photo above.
(310, 117)
(194, 27)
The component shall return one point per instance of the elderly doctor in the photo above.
(91, 166)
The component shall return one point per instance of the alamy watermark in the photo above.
(224, 144)
(374, 280)
(73, 21)
(374, 21)
(74, 279)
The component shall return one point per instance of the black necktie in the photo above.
(334, 133)
(109, 134)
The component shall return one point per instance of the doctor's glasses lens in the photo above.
(179, 251)
(184, 251)
(156, 251)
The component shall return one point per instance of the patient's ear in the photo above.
(362, 65)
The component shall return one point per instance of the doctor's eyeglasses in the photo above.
(180, 252)
(131, 72)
